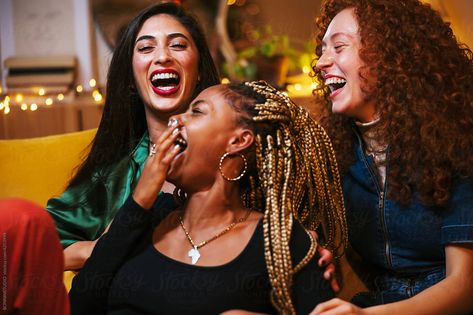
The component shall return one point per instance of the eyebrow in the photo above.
(169, 36)
(324, 43)
(195, 103)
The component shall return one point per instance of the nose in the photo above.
(162, 55)
(325, 61)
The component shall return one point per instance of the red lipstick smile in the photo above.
(165, 82)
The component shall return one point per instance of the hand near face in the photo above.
(156, 167)
(337, 307)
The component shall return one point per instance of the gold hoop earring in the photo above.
(239, 176)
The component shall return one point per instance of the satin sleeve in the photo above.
(83, 211)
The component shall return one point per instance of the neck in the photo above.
(214, 207)
(155, 129)
(156, 123)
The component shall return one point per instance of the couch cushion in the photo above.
(39, 168)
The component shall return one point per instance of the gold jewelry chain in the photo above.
(227, 229)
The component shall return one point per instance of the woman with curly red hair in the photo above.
(397, 98)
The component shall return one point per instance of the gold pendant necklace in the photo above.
(194, 253)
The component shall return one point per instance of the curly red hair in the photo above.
(423, 93)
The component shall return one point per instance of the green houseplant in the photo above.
(268, 57)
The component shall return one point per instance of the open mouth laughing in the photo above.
(181, 143)
(335, 83)
(165, 82)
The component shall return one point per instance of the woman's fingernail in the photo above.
(328, 275)
(175, 131)
(322, 263)
(172, 122)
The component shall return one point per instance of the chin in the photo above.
(339, 109)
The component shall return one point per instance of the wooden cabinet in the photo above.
(78, 114)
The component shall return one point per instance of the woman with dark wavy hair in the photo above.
(397, 100)
(160, 63)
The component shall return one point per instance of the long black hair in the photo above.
(123, 121)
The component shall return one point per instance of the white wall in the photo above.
(47, 28)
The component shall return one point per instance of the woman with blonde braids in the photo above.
(254, 174)
(396, 89)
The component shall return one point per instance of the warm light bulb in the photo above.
(7, 110)
(33, 107)
(225, 81)
(60, 97)
(297, 87)
(231, 2)
(41, 92)
(79, 88)
(1, 105)
(98, 97)
(306, 69)
(24, 106)
(49, 101)
(92, 83)
(19, 98)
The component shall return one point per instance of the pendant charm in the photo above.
(194, 254)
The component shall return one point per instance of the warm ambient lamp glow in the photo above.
(92, 83)
(19, 98)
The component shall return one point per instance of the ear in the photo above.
(243, 138)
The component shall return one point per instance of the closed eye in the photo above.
(179, 46)
(145, 48)
(196, 110)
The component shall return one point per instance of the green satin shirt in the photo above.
(83, 212)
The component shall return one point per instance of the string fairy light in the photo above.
(92, 83)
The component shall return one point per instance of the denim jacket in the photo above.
(405, 244)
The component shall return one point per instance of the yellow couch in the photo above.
(40, 168)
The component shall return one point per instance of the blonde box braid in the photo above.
(297, 177)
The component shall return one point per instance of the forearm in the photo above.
(76, 254)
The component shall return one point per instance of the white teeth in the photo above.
(181, 142)
(334, 80)
(165, 75)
